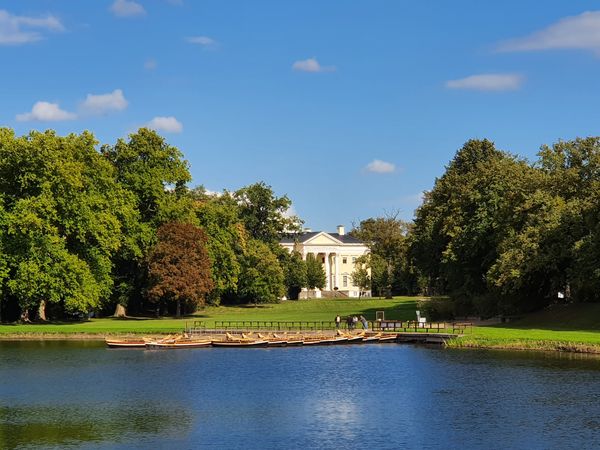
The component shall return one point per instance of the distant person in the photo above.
(354, 322)
(338, 320)
(364, 322)
(349, 322)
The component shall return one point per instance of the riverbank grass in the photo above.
(400, 308)
(563, 327)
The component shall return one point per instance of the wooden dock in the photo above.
(398, 331)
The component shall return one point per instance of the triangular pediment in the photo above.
(322, 238)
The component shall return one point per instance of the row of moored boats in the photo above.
(253, 340)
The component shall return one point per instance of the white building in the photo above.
(337, 252)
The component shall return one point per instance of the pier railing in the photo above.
(397, 326)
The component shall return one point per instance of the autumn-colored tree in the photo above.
(179, 265)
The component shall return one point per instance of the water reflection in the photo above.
(59, 426)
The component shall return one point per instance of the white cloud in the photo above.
(488, 82)
(46, 112)
(379, 166)
(167, 124)
(16, 30)
(127, 8)
(204, 41)
(580, 32)
(150, 64)
(102, 103)
(311, 65)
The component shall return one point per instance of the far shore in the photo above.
(563, 328)
(465, 342)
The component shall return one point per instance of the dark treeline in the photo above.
(503, 236)
(497, 234)
(116, 229)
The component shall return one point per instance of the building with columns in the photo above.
(337, 252)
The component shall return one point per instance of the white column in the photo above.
(327, 273)
(337, 271)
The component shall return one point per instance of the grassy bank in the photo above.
(563, 328)
(574, 328)
(401, 308)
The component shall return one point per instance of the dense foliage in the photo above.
(87, 230)
(179, 266)
(91, 230)
(503, 236)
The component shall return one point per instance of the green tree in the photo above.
(179, 266)
(464, 221)
(264, 215)
(294, 269)
(219, 217)
(156, 175)
(360, 275)
(315, 274)
(261, 279)
(63, 219)
(387, 238)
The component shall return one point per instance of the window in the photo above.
(344, 260)
(345, 280)
(353, 259)
(354, 283)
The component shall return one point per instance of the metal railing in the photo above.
(294, 325)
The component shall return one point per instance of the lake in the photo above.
(61, 394)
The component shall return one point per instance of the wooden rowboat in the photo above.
(182, 343)
(293, 340)
(324, 340)
(355, 339)
(273, 341)
(371, 339)
(127, 343)
(240, 343)
(388, 338)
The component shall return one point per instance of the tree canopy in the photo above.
(179, 266)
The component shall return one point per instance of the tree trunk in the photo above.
(42, 311)
(120, 311)
(178, 313)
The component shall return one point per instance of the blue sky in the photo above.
(351, 108)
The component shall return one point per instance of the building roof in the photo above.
(305, 236)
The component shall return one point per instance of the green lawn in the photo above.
(306, 310)
(566, 327)
(561, 327)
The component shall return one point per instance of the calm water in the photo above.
(82, 395)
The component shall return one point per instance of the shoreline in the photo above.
(459, 343)
(524, 345)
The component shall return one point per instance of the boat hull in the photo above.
(174, 345)
(125, 344)
(239, 344)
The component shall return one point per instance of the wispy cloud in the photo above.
(103, 103)
(488, 82)
(127, 8)
(150, 64)
(203, 41)
(379, 166)
(46, 112)
(167, 124)
(311, 65)
(17, 30)
(580, 32)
